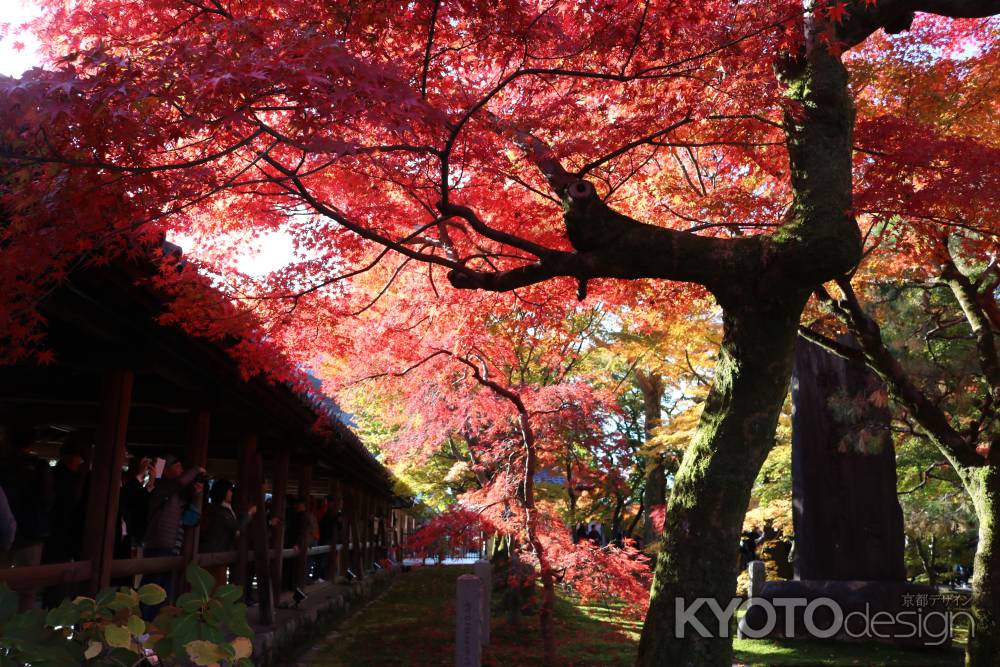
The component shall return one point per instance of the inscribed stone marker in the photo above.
(468, 624)
(482, 570)
(758, 577)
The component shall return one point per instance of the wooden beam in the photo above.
(33, 577)
(333, 560)
(305, 488)
(196, 453)
(101, 523)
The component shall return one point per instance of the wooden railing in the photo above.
(34, 577)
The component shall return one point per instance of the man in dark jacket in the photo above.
(221, 527)
(133, 506)
(67, 518)
(164, 533)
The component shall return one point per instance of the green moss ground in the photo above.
(411, 626)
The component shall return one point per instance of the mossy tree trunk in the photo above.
(712, 487)
(818, 241)
(983, 648)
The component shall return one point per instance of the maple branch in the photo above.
(594, 164)
(491, 233)
(653, 72)
(638, 36)
(831, 346)
(925, 476)
(219, 9)
(538, 152)
(967, 297)
(120, 169)
(925, 412)
(611, 245)
(427, 51)
(402, 373)
(701, 379)
(362, 231)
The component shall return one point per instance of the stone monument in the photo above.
(481, 569)
(468, 621)
(847, 519)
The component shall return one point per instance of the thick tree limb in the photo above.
(965, 294)
(895, 16)
(611, 245)
(831, 346)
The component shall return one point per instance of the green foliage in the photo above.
(208, 626)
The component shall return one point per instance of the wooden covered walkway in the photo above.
(137, 388)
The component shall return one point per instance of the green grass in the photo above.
(818, 654)
(411, 625)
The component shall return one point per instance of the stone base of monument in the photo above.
(899, 613)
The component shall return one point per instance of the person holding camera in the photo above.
(170, 509)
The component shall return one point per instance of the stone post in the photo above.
(482, 570)
(468, 626)
(758, 576)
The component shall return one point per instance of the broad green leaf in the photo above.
(202, 582)
(184, 629)
(66, 614)
(204, 652)
(85, 605)
(117, 636)
(151, 594)
(136, 626)
(229, 593)
(121, 657)
(105, 596)
(190, 602)
(124, 600)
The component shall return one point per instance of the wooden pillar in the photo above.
(247, 454)
(279, 504)
(262, 558)
(302, 560)
(369, 531)
(350, 529)
(101, 524)
(357, 534)
(386, 528)
(197, 457)
(333, 564)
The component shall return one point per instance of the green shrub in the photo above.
(207, 626)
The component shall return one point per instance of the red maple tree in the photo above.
(539, 151)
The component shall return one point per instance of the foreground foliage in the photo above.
(207, 626)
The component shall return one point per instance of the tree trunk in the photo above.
(655, 492)
(712, 488)
(926, 559)
(983, 649)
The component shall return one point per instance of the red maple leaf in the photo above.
(836, 11)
